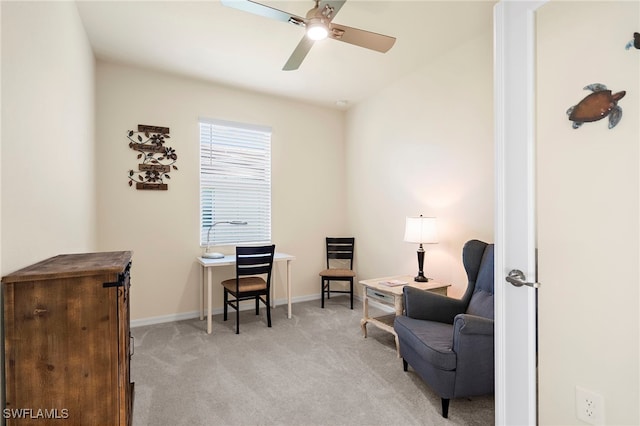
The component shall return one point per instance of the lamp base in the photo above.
(421, 278)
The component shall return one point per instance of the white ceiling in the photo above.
(206, 40)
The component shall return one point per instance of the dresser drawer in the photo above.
(378, 295)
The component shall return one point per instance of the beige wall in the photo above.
(48, 179)
(588, 215)
(424, 145)
(47, 190)
(310, 157)
(161, 227)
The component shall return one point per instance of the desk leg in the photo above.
(272, 291)
(201, 291)
(274, 280)
(209, 279)
(289, 289)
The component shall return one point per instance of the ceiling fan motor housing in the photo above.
(325, 14)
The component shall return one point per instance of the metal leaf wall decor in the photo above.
(157, 159)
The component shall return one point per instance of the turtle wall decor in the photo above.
(596, 106)
(635, 42)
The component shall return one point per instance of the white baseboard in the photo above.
(164, 318)
(196, 314)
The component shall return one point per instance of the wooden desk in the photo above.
(391, 295)
(206, 272)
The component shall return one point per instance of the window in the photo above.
(235, 182)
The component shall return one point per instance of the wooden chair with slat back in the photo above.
(339, 254)
(252, 281)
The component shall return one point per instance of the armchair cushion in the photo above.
(432, 343)
(481, 302)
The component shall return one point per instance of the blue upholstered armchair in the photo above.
(447, 341)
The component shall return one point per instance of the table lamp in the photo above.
(216, 255)
(421, 230)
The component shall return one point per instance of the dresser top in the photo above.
(72, 265)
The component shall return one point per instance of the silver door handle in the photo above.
(518, 279)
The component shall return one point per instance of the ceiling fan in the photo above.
(318, 25)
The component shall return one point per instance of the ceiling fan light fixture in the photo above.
(317, 30)
(318, 25)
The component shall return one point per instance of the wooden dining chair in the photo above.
(339, 255)
(252, 280)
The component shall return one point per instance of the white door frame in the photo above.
(515, 308)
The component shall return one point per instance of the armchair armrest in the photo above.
(424, 305)
(473, 344)
(472, 324)
(473, 338)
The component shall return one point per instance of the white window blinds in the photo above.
(235, 183)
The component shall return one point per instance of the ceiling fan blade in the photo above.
(298, 54)
(362, 38)
(262, 10)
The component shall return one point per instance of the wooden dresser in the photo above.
(67, 341)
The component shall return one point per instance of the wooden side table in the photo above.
(391, 295)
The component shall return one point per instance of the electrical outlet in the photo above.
(589, 406)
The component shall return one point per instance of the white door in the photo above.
(515, 307)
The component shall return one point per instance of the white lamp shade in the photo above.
(421, 230)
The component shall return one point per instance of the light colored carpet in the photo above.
(313, 369)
